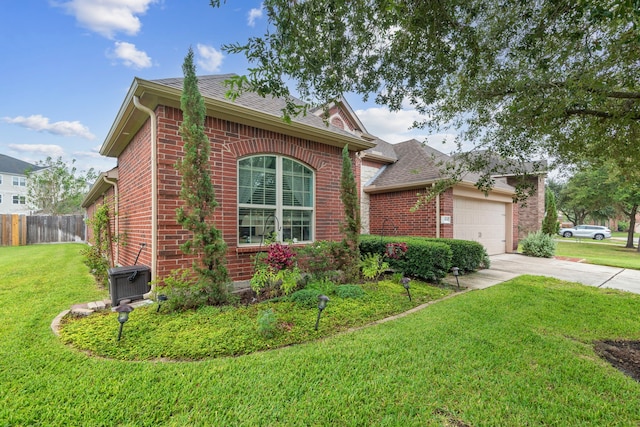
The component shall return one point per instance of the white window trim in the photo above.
(279, 207)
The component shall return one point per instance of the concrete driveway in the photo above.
(507, 266)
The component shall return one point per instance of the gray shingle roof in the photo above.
(383, 149)
(418, 164)
(414, 165)
(16, 167)
(212, 86)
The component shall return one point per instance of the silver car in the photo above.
(591, 231)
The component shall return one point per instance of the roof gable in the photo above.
(249, 109)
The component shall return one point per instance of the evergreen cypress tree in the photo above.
(198, 193)
(351, 228)
(550, 223)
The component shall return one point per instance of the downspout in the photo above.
(437, 213)
(154, 192)
(114, 184)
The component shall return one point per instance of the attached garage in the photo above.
(487, 221)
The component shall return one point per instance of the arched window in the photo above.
(275, 194)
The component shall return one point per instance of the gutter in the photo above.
(154, 192)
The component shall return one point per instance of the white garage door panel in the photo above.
(481, 221)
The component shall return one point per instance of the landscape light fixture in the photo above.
(123, 311)
(405, 282)
(456, 272)
(322, 304)
(161, 298)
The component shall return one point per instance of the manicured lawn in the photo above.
(601, 253)
(515, 354)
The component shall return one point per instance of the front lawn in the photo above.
(600, 253)
(519, 353)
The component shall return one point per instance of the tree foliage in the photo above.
(521, 79)
(351, 204)
(59, 188)
(588, 194)
(197, 190)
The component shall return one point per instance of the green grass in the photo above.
(601, 253)
(232, 331)
(515, 354)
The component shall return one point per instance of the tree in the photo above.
(550, 224)
(58, 188)
(197, 191)
(351, 227)
(520, 79)
(589, 193)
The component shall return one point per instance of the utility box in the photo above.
(130, 283)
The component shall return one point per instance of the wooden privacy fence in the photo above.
(18, 230)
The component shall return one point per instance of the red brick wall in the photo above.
(531, 212)
(229, 142)
(390, 214)
(134, 204)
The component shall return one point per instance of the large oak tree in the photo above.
(524, 79)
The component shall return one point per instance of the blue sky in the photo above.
(67, 65)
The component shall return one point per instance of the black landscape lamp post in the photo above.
(322, 303)
(123, 311)
(456, 272)
(161, 298)
(405, 282)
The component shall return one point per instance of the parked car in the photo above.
(591, 231)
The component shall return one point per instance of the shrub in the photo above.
(318, 260)
(185, 291)
(539, 245)
(305, 297)
(349, 291)
(464, 254)
(324, 286)
(373, 266)
(267, 323)
(97, 263)
(467, 255)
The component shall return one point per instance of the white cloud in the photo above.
(40, 123)
(390, 126)
(130, 56)
(210, 58)
(253, 15)
(396, 127)
(108, 17)
(41, 150)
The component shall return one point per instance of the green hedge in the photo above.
(429, 258)
(466, 255)
(424, 259)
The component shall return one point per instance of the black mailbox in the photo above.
(130, 283)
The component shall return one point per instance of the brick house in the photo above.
(270, 175)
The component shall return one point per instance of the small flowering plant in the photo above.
(280, 256)
(396, 250)
(277, 270)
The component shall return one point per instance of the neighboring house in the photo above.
(13, 185)
(270, 175)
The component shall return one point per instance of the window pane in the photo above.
(257, 180)
(255, 224)
(297, 184)
(296, 225)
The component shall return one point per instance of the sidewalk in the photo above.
(507, 266)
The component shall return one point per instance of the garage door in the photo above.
(482, 221)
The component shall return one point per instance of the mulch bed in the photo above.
(623, 355)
